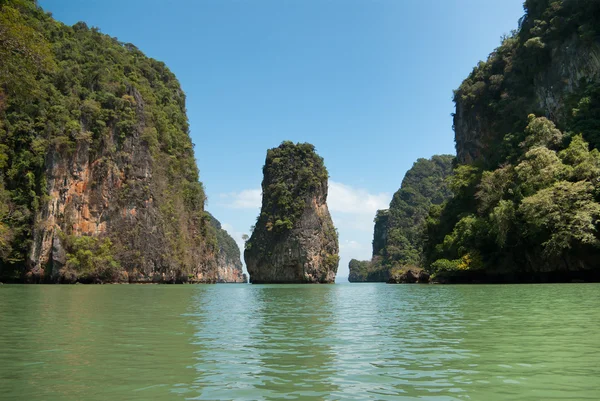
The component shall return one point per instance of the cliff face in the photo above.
(545, 68)
(571, 67)
(399, 231)
(526, 204)
(380, 232)
(229, 265)
(99, 164)
(294, 240)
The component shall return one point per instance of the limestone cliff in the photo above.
(399, 232)
(545, 68)
(294, 240)
(526, 204)
(229, 264)
(98, 170)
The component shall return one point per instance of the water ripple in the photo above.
(330, 342)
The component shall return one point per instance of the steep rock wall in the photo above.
(294, 240)
(398, 235)
(540, 69)
(229, 265)
(118, 196)
(538, 94)
(98, 177)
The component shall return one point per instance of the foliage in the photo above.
(358, 270)
(423, 185)
(331, 262)
(62, 88)
(89, 259)
(292, 173)
(527, 198)
(368, 271)
(562, 215)
(227, 246)
(24, 52)
(500, 93)
(399, 231)
(548, 200)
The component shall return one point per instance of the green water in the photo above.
(332, 342)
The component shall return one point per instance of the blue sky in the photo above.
(368, 82)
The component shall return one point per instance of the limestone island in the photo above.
(294, 240)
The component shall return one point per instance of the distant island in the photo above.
(229, 264)
(294, 240)
(398, 237)
(99, 184)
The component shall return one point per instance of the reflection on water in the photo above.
(269, 342)
(266, 343)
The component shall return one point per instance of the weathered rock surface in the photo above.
(112, 192)
(549, 68)
(572, 65)
(294, 240)
(229, 264)
(120, 197)
(409, 276)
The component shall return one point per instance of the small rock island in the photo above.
(294, 240)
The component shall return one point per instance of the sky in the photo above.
(368, 82)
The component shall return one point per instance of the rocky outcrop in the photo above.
(294, 240)
(101, 183)
(528, 74)
(409, 275)
(573, 64)
(229, 271)
(380, 232)
(537, 94)
(399, 231)
(368, 271)
(229, 265)
(120, 197)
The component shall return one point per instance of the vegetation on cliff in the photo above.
(294, 239)
(74, 94)
(527, 187)
(398, 237)
(359, 270)
(291, 172)
(229, 264)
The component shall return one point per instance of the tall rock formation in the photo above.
(399, 232)
(294, 240)
(97, 173)
(545, 68)
(526, 202)
(229, 264)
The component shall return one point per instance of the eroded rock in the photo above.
(294, 240)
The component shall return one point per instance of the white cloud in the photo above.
(352, 245)
(245, 199)
(346, 199)
(342, 198)
(354, 208)
(353, 211)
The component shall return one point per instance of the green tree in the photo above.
(562, 216)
